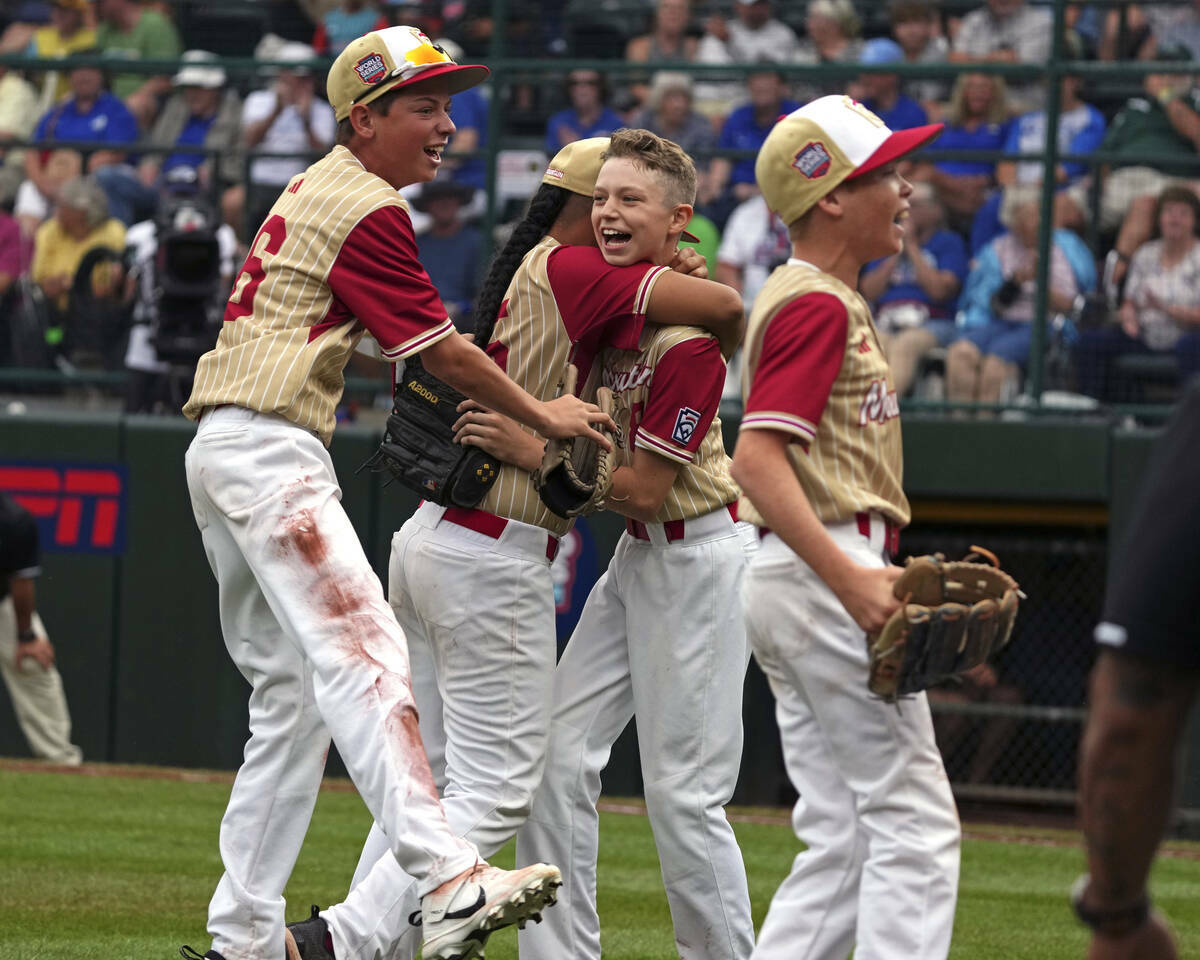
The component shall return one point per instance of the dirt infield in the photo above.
(1004, 831)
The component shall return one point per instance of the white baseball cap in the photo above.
(812, 150)
(383, 60)
(200, 69)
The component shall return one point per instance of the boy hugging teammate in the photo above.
(661, 636)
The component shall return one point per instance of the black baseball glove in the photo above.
(418, 448)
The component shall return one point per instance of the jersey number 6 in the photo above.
(268, 240)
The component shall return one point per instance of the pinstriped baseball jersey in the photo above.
(814, 369)
(666, 397)
(335, 258)
(560, 296)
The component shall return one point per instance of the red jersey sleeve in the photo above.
(683, 399)
(601, 304)
(803, 348)
(379, 280)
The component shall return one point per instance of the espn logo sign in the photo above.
(79, 507)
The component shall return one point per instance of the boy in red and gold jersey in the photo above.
(820, 461)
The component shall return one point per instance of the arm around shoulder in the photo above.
(715, 307)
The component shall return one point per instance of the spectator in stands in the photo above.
(1081, 130)
(916, 28)
(997, 306)
(880, 92)
(1160, 309)
(752, 36)
(449, 249)
(18, 114)
(914, 293)
(1126, 31)
(201, 113)
(81, 223)
(1172, 26)
(979, 685)
(668, 42)
(129, 30)
(93, 114)
(832, 37)
(668, 112)
(347, 21)
(976, 119)
(754, 243)
(469, 112)
(68, 32)
(729, 181)
(286, 117)
(15, 252)
(1007, 31)
(588, 115)
(1162, 122)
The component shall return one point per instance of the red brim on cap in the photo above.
(897, 145)
(463, 76)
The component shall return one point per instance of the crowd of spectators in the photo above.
(75, 123)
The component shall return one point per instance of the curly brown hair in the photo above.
(1177, 193)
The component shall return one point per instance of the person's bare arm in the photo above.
(762, 469)
(254, 132)
(679, 298)
(730, 274)
(939, 284)
(1127, 771)
(24, 604)
(468, 369)
(500, 436)
(873, 282)
(640, 489)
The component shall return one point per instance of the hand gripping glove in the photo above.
(418, 448)
(953, 616)
(576, 473)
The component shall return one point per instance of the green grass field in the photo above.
(113, 865)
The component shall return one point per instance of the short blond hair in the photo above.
(665, 158)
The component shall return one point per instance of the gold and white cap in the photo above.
(383, 60)
(812, 150)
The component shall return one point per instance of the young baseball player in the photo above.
(303, 615)
(819, 459)
(472, 587)
(661, 636)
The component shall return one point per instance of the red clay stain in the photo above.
(355, 647)
(338, 600)
(406, 738)
(300, 535)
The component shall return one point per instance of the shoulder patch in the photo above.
(685, 425)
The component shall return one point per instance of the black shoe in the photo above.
(312, 937)
(189, 954)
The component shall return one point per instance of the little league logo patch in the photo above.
(371, 69)
(685, 425)
(813, 160)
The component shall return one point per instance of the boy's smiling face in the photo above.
(631, 218)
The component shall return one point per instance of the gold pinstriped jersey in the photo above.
(307, 294)
(533, 339)
(666, 396)
(850, 458)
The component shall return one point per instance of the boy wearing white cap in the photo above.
(819, 459)
(303, 614)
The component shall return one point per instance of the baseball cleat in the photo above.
(460, 915)
(309, 939)
(189, 954)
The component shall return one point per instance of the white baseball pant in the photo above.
(306, 623)
(478, 612)
(662, 638)
(37, 695)
(880, 875)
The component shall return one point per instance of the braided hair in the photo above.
(543, 210)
